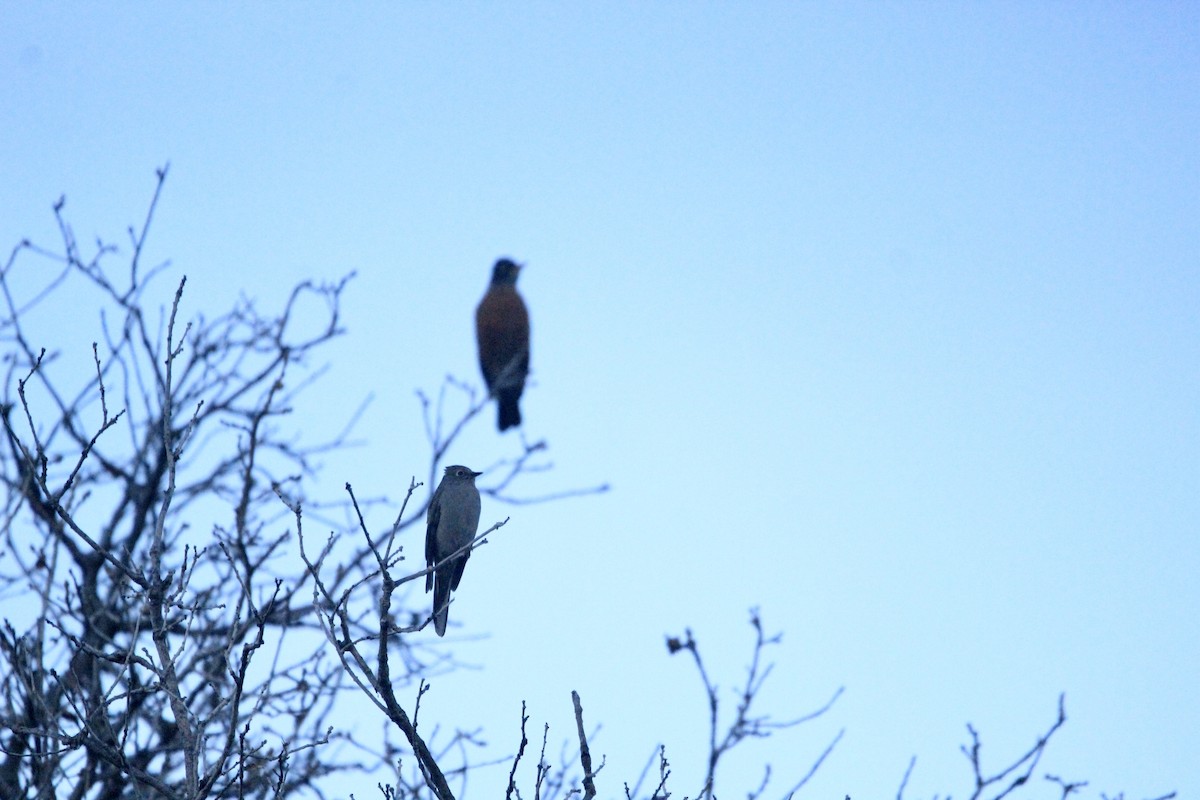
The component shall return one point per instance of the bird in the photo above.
(502, 330)
(450, 525)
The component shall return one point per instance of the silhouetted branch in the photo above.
(745, 725)
(1015, 774)
(585, 755)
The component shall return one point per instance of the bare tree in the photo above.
(172, 630)
(161, 638)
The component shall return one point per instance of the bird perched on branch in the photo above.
(502, 329)
(450, 525)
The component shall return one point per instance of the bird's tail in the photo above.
(441, 603)
(509, 410)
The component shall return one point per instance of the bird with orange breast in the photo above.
(502, 330)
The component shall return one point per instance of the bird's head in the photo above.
(458, 472)
(505, 272)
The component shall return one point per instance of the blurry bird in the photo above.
(450, 525)
(502, 329)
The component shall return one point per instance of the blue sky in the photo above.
(882, 318)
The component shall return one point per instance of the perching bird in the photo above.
(502, 329)
(450, 524)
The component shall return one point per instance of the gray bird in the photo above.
(450, 524)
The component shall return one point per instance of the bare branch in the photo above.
(585, 755)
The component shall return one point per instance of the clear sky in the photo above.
(883, 318)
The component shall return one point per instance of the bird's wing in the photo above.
(459, 565)
(432, 517)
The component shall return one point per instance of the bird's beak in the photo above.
(476, 474)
